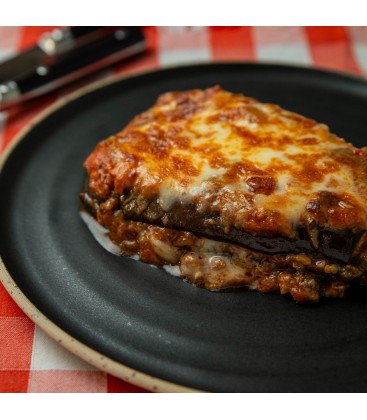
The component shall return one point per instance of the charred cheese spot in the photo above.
(234, 156)
(261, 184)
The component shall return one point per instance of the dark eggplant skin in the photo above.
(336, 245)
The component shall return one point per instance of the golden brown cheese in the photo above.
(263, 169)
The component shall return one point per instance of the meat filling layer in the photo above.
(217, 265)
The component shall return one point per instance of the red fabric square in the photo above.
(322, 34)
(7, 305)
(334, 55)
(330, 48)
(232, 43)
(118, 385)
(16, 342)
(14, 381)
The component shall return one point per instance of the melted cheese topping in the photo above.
(262, 168)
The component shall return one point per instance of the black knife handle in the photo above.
(81, 31)
(122, 43)
(84, 34)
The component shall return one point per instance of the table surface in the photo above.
(30, 361)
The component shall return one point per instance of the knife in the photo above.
(49, 46)
(64, 56)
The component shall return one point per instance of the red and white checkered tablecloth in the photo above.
(30, 361)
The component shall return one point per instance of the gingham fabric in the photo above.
(29, 360)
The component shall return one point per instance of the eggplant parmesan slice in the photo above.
(235, 193)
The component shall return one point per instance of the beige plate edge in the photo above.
(76, 347)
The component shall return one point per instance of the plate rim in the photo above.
(81, 350)
(84, 352)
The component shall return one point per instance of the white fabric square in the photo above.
(181, 44)
(183, 38)
(9, 38)
(270, 35)
(183, 56)
(360, 52)
(48, 354)
(6, 53)
(66, 381)
(358, 34)
(288, 53)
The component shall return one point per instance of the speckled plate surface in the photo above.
(136, 321)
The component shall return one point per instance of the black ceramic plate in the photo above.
(142, 317)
